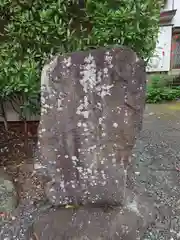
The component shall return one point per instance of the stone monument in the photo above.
(92, 105)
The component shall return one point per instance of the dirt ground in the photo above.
(16, 153)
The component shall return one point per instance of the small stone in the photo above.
(8, 195)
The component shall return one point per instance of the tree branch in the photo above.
(3, 115)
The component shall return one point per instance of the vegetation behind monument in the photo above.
(33, 31)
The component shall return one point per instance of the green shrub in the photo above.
(160, 80)
(158, 95)
(32, 31)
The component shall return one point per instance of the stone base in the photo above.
(85, 222)
(90, 223)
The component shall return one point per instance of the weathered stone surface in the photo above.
(8, 195)
(91, 114)
(96, 223)
(88, 222)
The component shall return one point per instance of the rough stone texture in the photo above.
(8, 195)
(91, 114)
(91, 223)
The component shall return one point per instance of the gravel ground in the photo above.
(157, 156)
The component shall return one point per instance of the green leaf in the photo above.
(31, 34)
